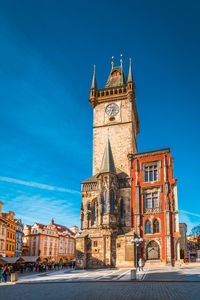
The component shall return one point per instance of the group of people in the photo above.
(44, 266)
(5, 272)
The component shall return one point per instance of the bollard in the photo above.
(13, 277)
(133, 274)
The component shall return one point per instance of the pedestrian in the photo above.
(4, 274)
(140, 264)
(1, 269)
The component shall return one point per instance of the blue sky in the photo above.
(47, 53)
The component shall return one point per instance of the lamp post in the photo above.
(137, 241)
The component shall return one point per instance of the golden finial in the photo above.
(112, 62)
(121, 61)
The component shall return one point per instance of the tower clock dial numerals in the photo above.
(112, 109)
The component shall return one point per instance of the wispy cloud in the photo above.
(189, 213)
(40, 208)
(184, 217)
(38, 185)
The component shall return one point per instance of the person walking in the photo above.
(140, 264)
(4, 274)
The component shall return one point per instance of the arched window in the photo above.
(105, 202)
(152, 251)
(112, 202)
(94, 212)
(122, 208)
(148, 227)
(155, 226)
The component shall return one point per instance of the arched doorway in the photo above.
(153, 251)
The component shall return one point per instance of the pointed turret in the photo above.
(107, 164)
(94, 81)
(130, 75)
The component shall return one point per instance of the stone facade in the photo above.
(106, 211)
(183, 239)
(114, 209)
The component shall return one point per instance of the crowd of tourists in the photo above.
(5, 271)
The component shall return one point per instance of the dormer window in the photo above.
(114, 74)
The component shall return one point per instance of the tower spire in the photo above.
(107, 164)
(130, 75)
(94, 81)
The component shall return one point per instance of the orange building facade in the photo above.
(52, 242)
(155, 205)
(10, 239)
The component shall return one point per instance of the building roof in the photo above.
(9, 260)
(30, 258)
(116, 77)
(93, 179)
(149, 153)
(107, 164)
(62, 228)
(40, 225)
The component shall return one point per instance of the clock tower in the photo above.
(114, 111)
(106, 209)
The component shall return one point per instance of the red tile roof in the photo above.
(62, 228)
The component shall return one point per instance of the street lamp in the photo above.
(137, 241)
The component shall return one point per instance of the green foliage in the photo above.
(196, 230)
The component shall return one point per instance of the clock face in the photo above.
(112, 109)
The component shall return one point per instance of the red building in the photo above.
(155, 206)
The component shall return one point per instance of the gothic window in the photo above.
(174, 223)
(148, 227)
(82, 216)
(114, 74)
(105, 202)
(112, 201)
(156, 226)
(122, 208)
(151, 173)
(94, 212)
(95, 244)
(151, 200)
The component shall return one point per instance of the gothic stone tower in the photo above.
(114, 109)
(106, 209)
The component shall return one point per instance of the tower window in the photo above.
(122, 208)
(114, 74)
(105, 202)
(94, 212)
(95, 244)
(112, 201)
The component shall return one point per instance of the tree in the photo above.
(196, 230)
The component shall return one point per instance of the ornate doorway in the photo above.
(153, 251)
